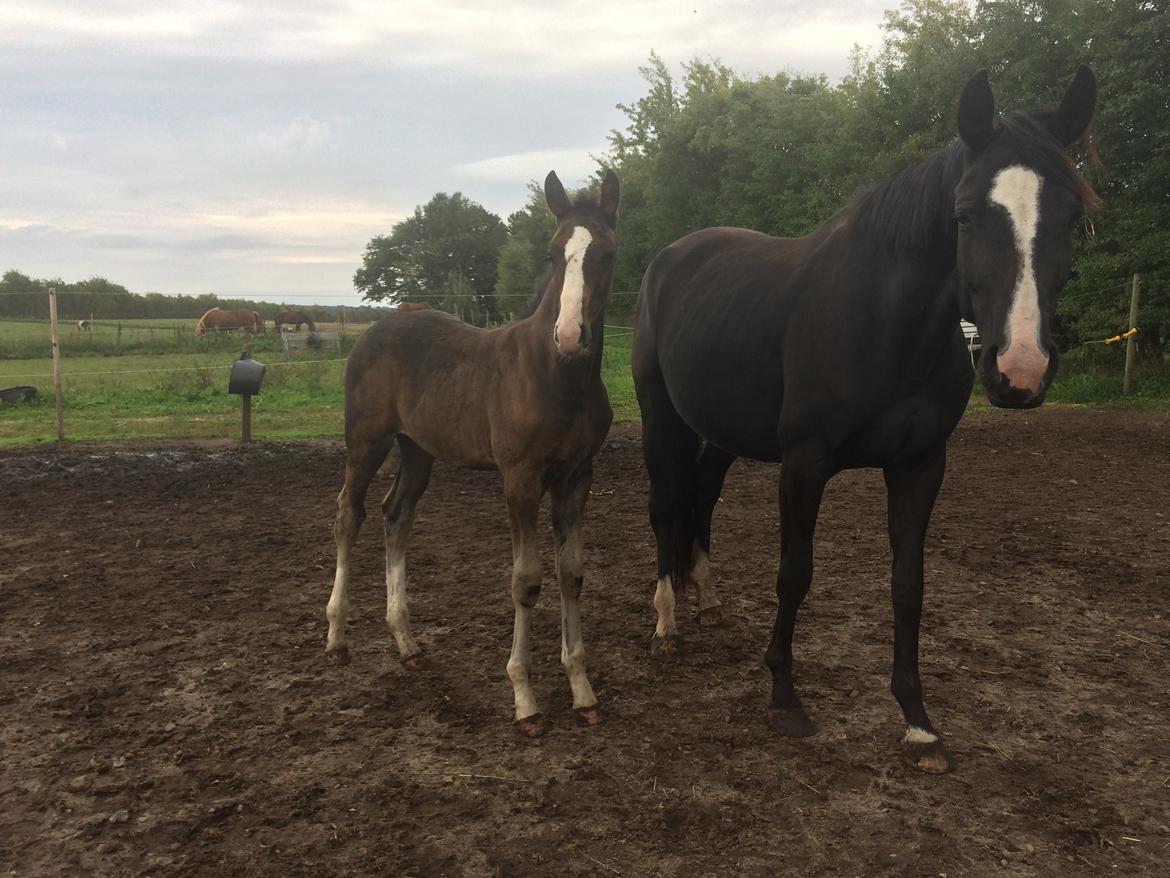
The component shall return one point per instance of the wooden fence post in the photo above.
(1131, 342)
(56, 363)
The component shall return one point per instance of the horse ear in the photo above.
(1076, 108)
(554, 195)
(610, 196)
(977, 112)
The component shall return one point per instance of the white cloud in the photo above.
(520, 167)
(302, 135)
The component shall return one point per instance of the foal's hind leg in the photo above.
(803, 476)
(361, 464)
(712, 470)
(568, 508)
(523, 491)
(912, 489)
(398, 511)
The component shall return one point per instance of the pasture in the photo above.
(167, 709)
(179, 389)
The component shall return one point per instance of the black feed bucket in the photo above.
(246, 378)
(13, 395)
(247, 375)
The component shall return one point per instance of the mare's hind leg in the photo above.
(398, 512)
(912, 489)
(362, 462)
(803, 476)
(568, 508)
(713, 465)
(670, 449)
(523, 490)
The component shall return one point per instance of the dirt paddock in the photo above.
(165, 708)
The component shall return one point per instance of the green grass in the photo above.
(182, 392)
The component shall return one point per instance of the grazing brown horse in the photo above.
(525, 398)
(414, 306)
(219, 319)
(293, 318)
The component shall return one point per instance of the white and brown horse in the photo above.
(526, 398)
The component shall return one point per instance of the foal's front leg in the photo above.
(523, 490)
(912, 489)
(568, 509)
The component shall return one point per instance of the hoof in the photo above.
(413, 662)
(666, 648)
(791, 722)
(531, 726)
(337, 657)
(587, 716)
(931, 757)
(712, 617)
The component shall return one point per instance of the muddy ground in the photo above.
(165, 708)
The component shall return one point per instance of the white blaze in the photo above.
(568, 328)
(1022, 360)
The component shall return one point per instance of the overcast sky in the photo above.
(254, 148)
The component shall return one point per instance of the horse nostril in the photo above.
(584, 335)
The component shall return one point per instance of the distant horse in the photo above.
(84, 326)
(414, 306)
(219, 319)
(293, 318)
(843, 349)
(526, 398)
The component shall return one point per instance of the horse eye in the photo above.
(963, 219)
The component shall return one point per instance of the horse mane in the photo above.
(910, 206)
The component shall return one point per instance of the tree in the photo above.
(522, 259)
(445, 253)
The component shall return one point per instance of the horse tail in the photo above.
(670, 445)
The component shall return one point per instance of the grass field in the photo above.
(184, 395)
(181, 391)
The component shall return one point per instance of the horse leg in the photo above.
(361, 464)
(523, 490)
(803, 476)
(670, 449)
(713, 465)
(568, 508)
(414, 473)
(912, 489)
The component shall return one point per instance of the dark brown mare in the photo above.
(293, 318)
(219, 319)
(414, 306)
(843, 349)
(525, 398)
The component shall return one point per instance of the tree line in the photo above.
(26, 298)
(781, 152)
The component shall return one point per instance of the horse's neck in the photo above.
(537, 333)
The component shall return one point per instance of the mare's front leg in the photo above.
(803, 476)
(568, 509)
(912, 489)
(523, 490)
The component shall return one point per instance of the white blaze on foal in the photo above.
(1022, 360)
(571, 316)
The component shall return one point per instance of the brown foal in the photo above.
(525, 398)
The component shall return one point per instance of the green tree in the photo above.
(445, 253)
(522, 259)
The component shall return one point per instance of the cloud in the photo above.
(302, 135)
(503, 37)
(520, 167)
